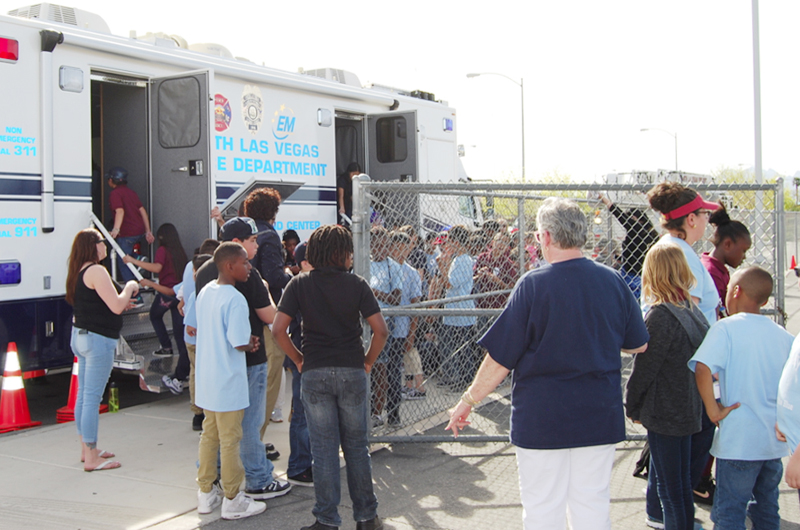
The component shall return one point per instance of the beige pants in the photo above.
(191, 349)
(275, 358)
(222, 432)
(412, 362)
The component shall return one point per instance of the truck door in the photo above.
(393, 147)
(179, 155)
(393, 157)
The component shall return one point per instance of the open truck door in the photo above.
(180, 111)
(393, 157)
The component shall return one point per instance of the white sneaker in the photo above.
(207, 502)
(241, 506)
(174, 385)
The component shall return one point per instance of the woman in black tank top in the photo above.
(97, 304)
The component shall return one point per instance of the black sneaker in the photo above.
(197, 422)
(137, 302)
(306, 478)
(373, 524)
(273, 455)
(163, 352)
(276, 488)
(704, 494)
(269, 447)
(320, 526)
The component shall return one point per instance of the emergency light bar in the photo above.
(9, 50)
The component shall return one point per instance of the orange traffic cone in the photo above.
(14, 413)
(67, 413)
(793, 264)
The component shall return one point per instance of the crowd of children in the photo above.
(705, 329)
(742, 353)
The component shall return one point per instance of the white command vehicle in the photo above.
(191, 124)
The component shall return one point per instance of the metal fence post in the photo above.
(360, 226)
(522, 225)
(780, 254)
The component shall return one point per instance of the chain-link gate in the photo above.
(437, 307)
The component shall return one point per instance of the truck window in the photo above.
(10, 273)
(466, 207)
(179, 112)
(391, 136)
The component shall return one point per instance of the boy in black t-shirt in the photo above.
(334, 389)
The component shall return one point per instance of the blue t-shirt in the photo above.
(704, 290)
(190, 318)
(749, 352)
(412, 288)
(561, 333)
(460, 278)
(221, 369)
(789, 398)
(385, 276)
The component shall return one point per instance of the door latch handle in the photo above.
(183, 169)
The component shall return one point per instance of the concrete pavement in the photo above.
(419, 486)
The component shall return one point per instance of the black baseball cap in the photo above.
(238, 228)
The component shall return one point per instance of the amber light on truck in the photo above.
(9, 49)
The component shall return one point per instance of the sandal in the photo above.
(108, 464)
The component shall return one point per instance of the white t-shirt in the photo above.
(749, 352)
(223, 324)
(789, 398)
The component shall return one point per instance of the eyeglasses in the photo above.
(705, 212)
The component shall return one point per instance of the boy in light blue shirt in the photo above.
(748, 351)
(788, 427)
(223, 335)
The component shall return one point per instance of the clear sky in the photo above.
(595, 72)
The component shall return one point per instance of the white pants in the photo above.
(560, 486)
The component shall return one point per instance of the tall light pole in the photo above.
(522, 109)
(674, 137)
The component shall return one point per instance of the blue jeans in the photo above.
(458, 369)
(162, 304)
(257, 468)
(299, 444)
(95, 359)
(335, 401)
(737, 482)
(127, 244)
(670, 458)
(701, 448)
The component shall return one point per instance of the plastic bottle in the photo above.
(113, 397)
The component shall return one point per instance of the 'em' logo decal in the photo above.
(252, 108)
(283, 123)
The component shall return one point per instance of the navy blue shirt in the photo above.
(561, 333)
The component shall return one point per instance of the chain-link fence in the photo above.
(440, 298)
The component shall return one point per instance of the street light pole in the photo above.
(674, 136)
(522, 109)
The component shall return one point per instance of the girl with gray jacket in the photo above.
(662, 393)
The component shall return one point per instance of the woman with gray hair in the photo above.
(561, 333)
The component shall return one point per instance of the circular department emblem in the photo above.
(252, 108)
(283, 121)
(222, 113)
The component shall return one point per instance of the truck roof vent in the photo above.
(334, 74)
(62, 15)
(210, 48)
